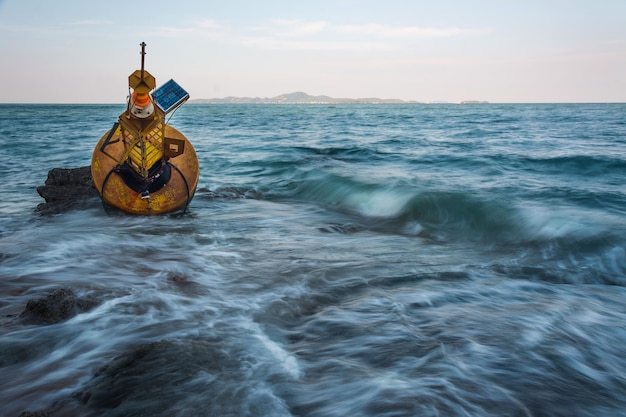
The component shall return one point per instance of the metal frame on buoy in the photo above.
(142, 165)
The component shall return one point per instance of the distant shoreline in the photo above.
(297, 98)
(304, 98)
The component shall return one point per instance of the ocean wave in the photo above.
(402, 207)
(575, 164)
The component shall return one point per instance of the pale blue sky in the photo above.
(77, 51)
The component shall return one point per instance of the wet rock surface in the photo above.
(34, 414)
(131, 377)
(129, 383)
(66, 189)
(61, 304)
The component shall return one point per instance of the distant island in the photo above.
(304, 98)
(297, 98)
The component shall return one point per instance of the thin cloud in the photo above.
(92, 22)
(297, 28)
(206, 28)
(322, 35)
(208, 24)
(407, 32)
(296, 34)
(275, 43)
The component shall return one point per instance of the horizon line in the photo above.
(403, 102)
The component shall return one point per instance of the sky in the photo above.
(77, 51)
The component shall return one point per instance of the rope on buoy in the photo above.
(116, 168)
(186, 184)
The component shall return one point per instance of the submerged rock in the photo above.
(66, 189)
(34, 414)
(147, 380)
(138, 376)
(61, 304)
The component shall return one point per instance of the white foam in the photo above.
(288, 361)
(381, 203)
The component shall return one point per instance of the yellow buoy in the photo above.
(142, 165)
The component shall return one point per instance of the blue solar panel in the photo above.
(169, 96)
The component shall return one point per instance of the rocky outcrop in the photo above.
(67, 188)
(59, 305)
(130, 383)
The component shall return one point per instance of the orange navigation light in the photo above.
(141, 99)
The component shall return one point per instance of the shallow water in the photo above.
(397, 260)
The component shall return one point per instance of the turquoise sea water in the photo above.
(396, 260)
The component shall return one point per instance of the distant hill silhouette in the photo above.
(296, 98)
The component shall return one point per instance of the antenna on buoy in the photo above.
(142, 82)
(143, 55)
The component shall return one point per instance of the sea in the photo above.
(336, 260)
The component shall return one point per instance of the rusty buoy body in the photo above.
(142, 165)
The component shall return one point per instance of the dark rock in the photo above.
(34, 414)
(66, 189)
(146, 379)
(179, 278)
(191, 376)
(59, 305)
